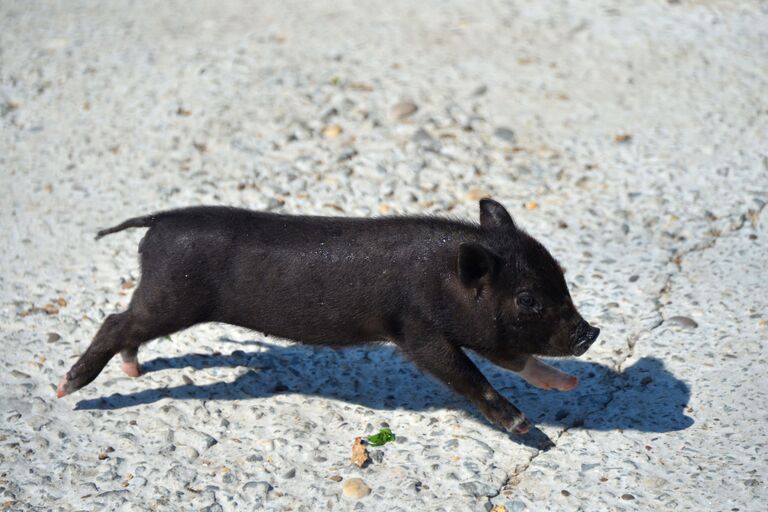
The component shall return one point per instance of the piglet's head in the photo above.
(521, 287)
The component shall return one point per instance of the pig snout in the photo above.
(583, 337)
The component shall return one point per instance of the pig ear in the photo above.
(493, 215)
(475, 262)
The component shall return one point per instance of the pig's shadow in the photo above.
(644, 397)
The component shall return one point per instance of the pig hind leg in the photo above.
(108, 341)
(154, 312)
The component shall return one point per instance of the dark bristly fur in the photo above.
(430, 285)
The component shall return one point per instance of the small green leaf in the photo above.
(384, 436)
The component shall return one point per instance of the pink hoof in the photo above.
(60, 390)
(524, 427)
(569, 383)
(131, 369)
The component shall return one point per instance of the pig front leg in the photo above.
(535, 372)
(544, 376)
(452, 366)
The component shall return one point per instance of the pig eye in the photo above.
(526, 300)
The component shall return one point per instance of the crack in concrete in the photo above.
(515, 478)
(676, 259)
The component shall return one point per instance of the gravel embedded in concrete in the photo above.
(629, 138)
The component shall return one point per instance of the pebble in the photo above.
(114, 494)
(332, 131)
(377, 456)
(681, 321)
(505, 134)
(477, 489)
(654, 482)
(87, 488)
(346, 153)
(137, 482)
(268, 445)
(475, 194)
(403, 110)
(355, 488)
(200, 441)
(515, 506)
(185, 452)
(329, 114)
(257, 489)
(424, 139)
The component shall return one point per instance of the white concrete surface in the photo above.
(110, 110)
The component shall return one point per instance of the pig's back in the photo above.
(313, 279)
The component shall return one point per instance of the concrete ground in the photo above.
(631, 138)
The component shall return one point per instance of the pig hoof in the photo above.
(131, 368)
(66, 386)
(570, 383)
(521, 425)
(61, 390)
